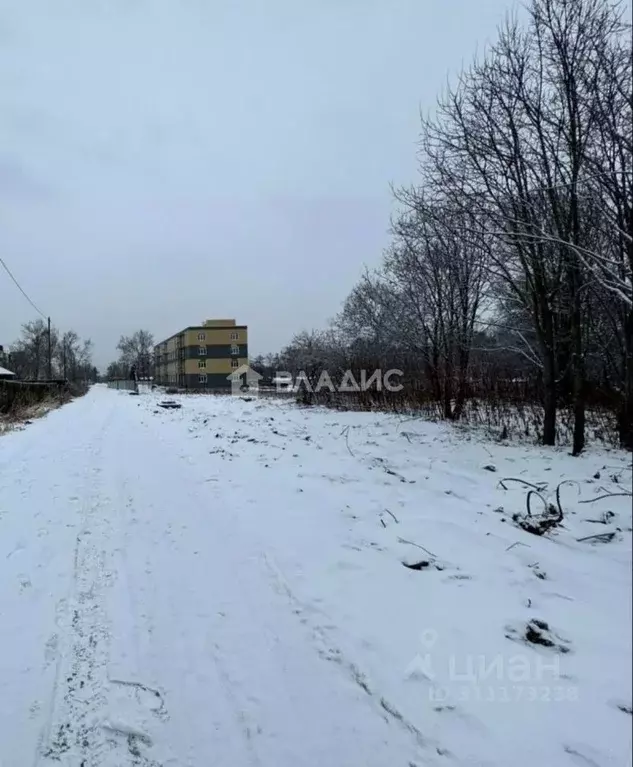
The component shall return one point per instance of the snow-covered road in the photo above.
(224, 585)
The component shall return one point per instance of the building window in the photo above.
(235, 364)
(235, 349)
(202, 363)
(201, 337)
(202, 351)
(235, 336)
(202, 378)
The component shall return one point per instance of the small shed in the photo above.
(6, 375)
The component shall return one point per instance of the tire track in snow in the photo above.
(74, 734)
(247, 727)
(330, 651)
(243, 680)
(133, 580)
(137, 701)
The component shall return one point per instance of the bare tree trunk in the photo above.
(625, 415)
(579, 402)
(462, 381)
(448, 394)
(578, 366)
(549, 399)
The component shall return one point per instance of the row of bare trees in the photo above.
(135, 351)
(71, 356)
(513, 253)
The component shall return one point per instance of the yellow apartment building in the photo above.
(202, 356)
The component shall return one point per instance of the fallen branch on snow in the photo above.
(516, 543)
(392, 515)
(411, 543)
(607, 495)
(539, 487)
(346, 433)
(606, 537)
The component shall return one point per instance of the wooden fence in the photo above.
(17, 394)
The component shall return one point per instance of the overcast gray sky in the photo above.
(165, 161)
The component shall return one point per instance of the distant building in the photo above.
(202, 356)
(6, 375)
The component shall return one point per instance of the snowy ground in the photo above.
(223, 585)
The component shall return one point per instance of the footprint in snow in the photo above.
(50, 649)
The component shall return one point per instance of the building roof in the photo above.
(5, 372)
(203, 327)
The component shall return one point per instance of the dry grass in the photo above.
(21, 417)
(496, 418)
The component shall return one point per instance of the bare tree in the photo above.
(443, 279)
(137, 350)
(610, 172)
(67, 355)
(512, 143)
(313, 354)
(117, 370)
(375, 311)
(29, 354)
(513, 253)
(71, 357)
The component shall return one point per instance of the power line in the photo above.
(48, 319)
(8, 271)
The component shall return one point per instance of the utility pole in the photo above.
(50, 353)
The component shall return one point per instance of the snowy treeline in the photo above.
(71, 356)
(509, 271)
